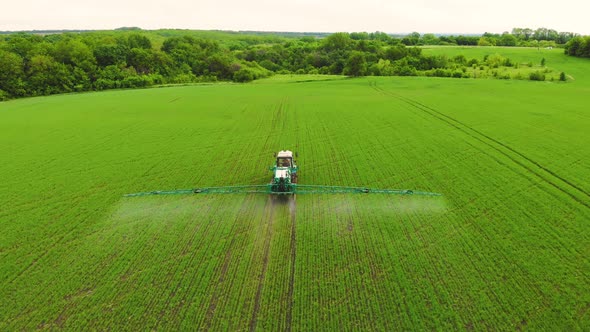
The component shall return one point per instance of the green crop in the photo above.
(506, 248)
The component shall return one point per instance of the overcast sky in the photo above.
(394, 16)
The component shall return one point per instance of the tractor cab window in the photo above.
(284, 162)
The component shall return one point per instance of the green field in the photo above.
(506, 248)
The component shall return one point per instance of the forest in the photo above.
(44, 63)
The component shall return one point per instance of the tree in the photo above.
(243, 75)
(381, 36)
(412, 39)
(136, 40)
(467, 40)
(584, 49)
(572, 46)
(12, 74)
(430, 39)
(47, 76)
(518, 33)
(315, 59)
(552, 35)
(404, 68)
(107, 55)
(337, 41)
(394, 53)
(384, 68)
(564, 37)
(359, 35)
(75, 53)
(356, 64)
(540, 34)
(562, 77)
(415, 52)
(25, 45)
(507, 40)
(162, 63)
(221, 66)
(484, 41)
(430, 62)
(141, 59)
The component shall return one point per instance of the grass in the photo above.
(504, 249)
(528, 60)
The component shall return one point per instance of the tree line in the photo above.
(541, 37)
(34, 64)
(578, 46)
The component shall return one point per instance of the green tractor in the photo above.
(284, 178)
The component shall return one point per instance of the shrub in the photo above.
(537, 76)
(562, 77)
(184, 78)
(105, 83)
(460, 59)
(244, 75)
(405, 70)
(438, 72)
(518, 76)
(496, 60)
(138, 81)
(457, 74)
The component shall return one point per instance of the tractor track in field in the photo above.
(270, 206)
(293, 247)
(219, 287)
(191, 248)
(216, 293)
(496, 145)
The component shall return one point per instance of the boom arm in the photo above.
(297, 189)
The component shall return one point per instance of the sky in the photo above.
(394, 16)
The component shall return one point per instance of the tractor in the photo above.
(284, 173)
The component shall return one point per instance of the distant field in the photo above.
(555, 59)
(506, 248)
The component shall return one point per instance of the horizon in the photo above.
(263, 31)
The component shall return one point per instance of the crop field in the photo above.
(506, 248)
